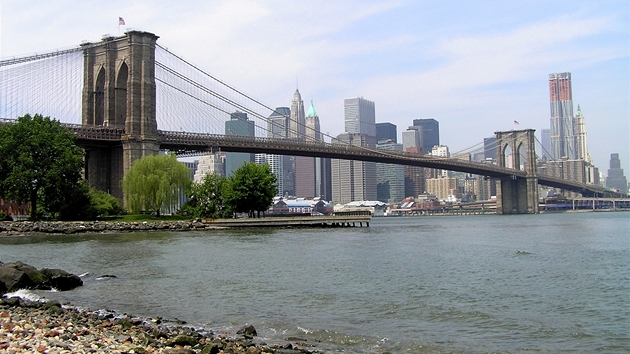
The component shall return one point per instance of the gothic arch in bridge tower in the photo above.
(98, 99)
(119, 92)
(517, 195)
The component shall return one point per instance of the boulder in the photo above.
(248, 331)
(18, 275)
(61, 280)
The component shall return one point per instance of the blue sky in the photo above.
(474, 66)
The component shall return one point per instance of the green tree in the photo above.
(154, 182)
(251, 189)
(104, 203)
(205, 199)
(40, 163)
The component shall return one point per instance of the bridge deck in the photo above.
(186, 142)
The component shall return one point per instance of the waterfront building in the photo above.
(429, 130)
(360, 116)
(239, 125)
(385, 131)
(563, 138)
(443, 187)
(15, 210)
(616, 179)
(390, 178)
(354, 180)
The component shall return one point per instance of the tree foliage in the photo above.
(103, 203)
(251, 189)
(154, 182)
(40, 165)
(206, 199)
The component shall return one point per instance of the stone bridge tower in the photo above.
(517, 195)
(119, 92)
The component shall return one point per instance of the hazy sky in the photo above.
(476, 67)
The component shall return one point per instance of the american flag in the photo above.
(515, 122)
(121, 21)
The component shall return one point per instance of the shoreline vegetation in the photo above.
(50, 327)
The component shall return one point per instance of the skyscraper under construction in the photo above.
(563, 137)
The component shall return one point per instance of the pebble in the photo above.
(28, 327)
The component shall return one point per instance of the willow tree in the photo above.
(154, 182)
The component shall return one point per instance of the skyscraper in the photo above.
(411, 138)
(297, 121)
(360, 116)
(545, 141)
(354, 180)
(616, 178)
(278, 123)
(490, 148)
(238, 125)
(307, 173)
(313, 132)
(580, 135)
(278, 127)
(563, 139)
(429, 129)
(386, 131)
(390, 178)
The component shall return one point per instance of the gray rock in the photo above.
(18, 275)
(248, 331)
(61, 280)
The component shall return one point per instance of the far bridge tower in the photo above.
(517, 195)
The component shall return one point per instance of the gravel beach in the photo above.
(36, 327)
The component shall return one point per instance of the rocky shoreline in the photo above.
(10, 228)
(49, 327)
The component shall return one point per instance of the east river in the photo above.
(545, 283)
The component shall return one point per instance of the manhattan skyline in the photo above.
(475, 68)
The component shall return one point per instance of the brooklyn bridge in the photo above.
(126, 97)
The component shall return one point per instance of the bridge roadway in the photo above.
(182, 142)
(186, 142)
